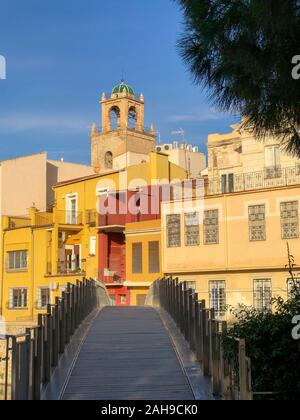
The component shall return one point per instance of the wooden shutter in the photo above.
(11, 299)
(154, 264)
(137, 258)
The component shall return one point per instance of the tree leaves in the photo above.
(241, 52)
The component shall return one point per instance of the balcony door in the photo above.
(72, 209)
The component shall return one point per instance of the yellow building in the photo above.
(143, 258)
(232, 246)
(45, 251)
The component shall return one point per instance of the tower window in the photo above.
(114, 115)
(108, 160)
(132, 117)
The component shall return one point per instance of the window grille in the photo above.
(257, 223)
(173, 231)
(289, 220)
(217, 293)
(263, 295)
(192, 234)
(211, 227)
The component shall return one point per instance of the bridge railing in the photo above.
(231, 380)
(30, 357)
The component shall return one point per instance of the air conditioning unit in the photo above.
(53, 287)
(196, 149)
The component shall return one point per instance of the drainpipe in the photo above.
(2, 274)
(32, 212)
(32, 272)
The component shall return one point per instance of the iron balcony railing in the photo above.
(65, 217)
(64, 268)
(269, 178)
(91, 218)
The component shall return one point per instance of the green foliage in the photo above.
(275, 355)
(241, 52)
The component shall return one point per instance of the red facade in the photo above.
(115, 211)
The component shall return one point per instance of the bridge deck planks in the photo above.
(128, 355)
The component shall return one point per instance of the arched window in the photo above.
(114, 116)
(108, 160)
(132, 117)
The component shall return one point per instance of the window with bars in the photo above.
(137, 258)
(17, 260)
(192, 230)
(18, 298)
(154, 264)
(43, 297)
(257, 223)
(262, 295)
(211, 227)
(293, 286)
(289, 220)
(217, 295)
(173, 231)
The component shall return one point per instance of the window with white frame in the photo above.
(272, 157)
(18, 298)
(191, 228)
(257, 223)
(217, 294)
(43, 297)
(289, 220)
(262, 295)
(93, 245)
(173, 231)
(211, 227)
(17, 260)
(72, 209)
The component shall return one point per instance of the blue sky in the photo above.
(62, 54)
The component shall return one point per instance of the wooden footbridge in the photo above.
(85, 349)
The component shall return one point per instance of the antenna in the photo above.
(123, 75)
(180, 132)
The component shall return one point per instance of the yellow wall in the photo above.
(235, 259)
(142, 232)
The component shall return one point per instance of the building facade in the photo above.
(232, 245)
(186, 156)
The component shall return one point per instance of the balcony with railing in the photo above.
(18, 222)
(110, 278)
(69, 268)
(115, 222)
(268, 178)
(64, 217)
(43, 219)
(91, 218)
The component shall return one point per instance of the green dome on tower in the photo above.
(122, 88)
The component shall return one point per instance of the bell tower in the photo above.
(122, 140)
